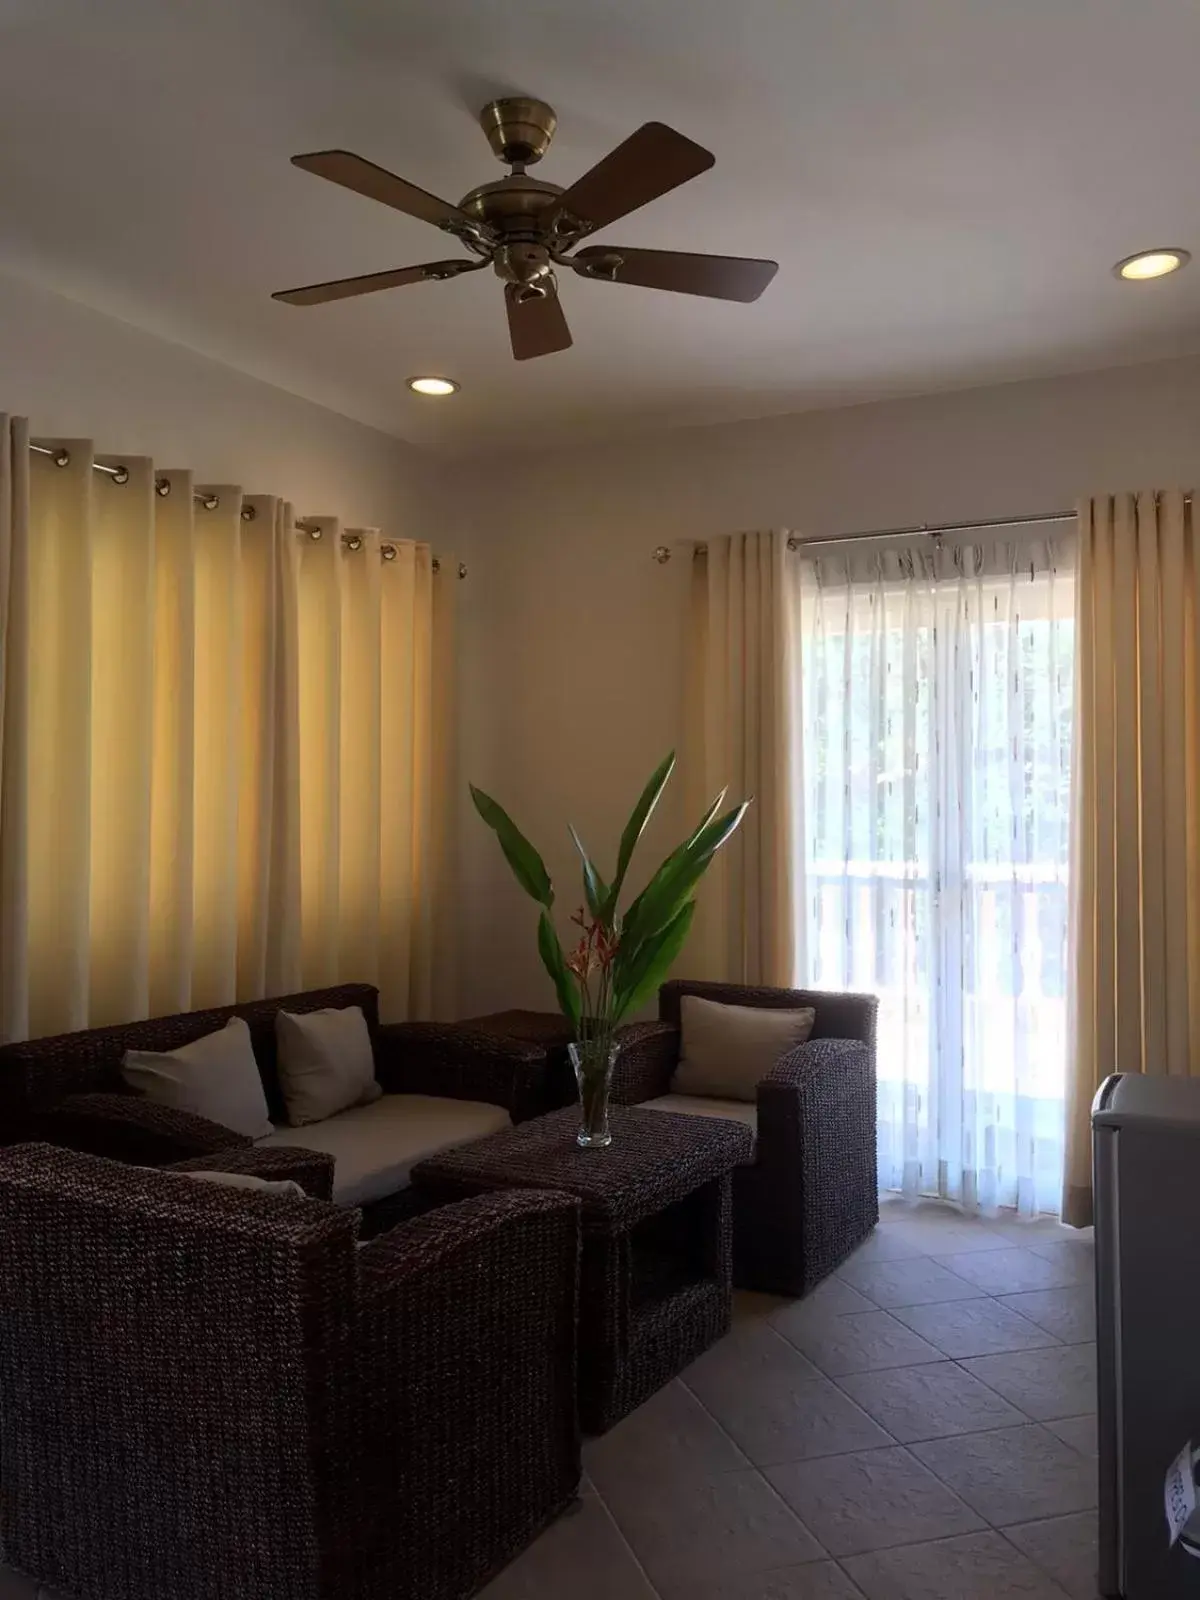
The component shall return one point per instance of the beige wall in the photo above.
(572, 635)
(76, 373)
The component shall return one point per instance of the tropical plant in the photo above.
(619, 958)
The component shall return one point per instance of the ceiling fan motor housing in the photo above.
(515, 208)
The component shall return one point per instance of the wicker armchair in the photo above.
(811, 1196)
(210, 1392)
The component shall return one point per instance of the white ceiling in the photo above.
(945, 183)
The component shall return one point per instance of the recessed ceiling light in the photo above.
(1151, 264)
(432, 385)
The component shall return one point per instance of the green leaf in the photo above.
(594, 888)
(708, 816)
(635, 827)
(654, 960)
(678, 853)
(677, 877)
(528, 867)
(555, 963)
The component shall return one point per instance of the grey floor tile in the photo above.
(942, 1230)
(1045, 1384)
(1041, 1230)
(817, 1580)
(929, 1402)
(751, 1351)
(1013, 1475)
(870, 1501)
(962, 1328)
(981, 1566)
(906, 1283)
(1017, 1270)
(1068, 1313)
(1065, 1547)
(1075, 1244)
(1078, 1432)
(863, 1342)
(774, 1421)
(892, 1243)
(832, 1298)
(582, 1555)
(670, 1438)
(727, 1529)
(750, 1306)
(968, 1234)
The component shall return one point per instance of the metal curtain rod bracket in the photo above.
(351, 540)
(62, 458)
(935, 531)
(202, 497)
(120, 474)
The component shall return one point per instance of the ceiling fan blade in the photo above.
(718, 277)
(537, 326)
(651, 162)
(316, 294)
(364, 177)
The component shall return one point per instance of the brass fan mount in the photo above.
(518, 129)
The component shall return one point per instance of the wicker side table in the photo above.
(656, 1277)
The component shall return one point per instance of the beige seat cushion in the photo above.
(694, 1105)
(726, 1051)
(247, 1180)
(375, 1147)
(325, 1062)
(215, 1077)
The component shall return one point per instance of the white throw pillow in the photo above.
(325, 1062)
(215, 1077)
(725, 1051)
(246, 1180)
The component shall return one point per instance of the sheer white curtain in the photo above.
(224, 748)
(936, 757)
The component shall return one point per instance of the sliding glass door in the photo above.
(933, 802)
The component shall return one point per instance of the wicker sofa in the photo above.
(442, 1086)
(212, 1393)
(811, 1196)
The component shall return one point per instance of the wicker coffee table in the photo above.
(656, 1280)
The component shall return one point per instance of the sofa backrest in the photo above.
(36, 1072)
(166, 1348)
(838, 1015)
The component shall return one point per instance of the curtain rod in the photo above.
(210, 502)
(933, 530)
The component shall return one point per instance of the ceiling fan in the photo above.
(524, 227)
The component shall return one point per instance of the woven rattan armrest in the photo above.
(456, 1063)
(128, 1127)
(647, 1056)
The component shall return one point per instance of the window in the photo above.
(935, 808)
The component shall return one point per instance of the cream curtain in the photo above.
(739, 733)
(223, 749)
(1135, 870)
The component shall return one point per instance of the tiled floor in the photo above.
(920, 1428)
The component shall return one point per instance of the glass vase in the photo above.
(593, 1060)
